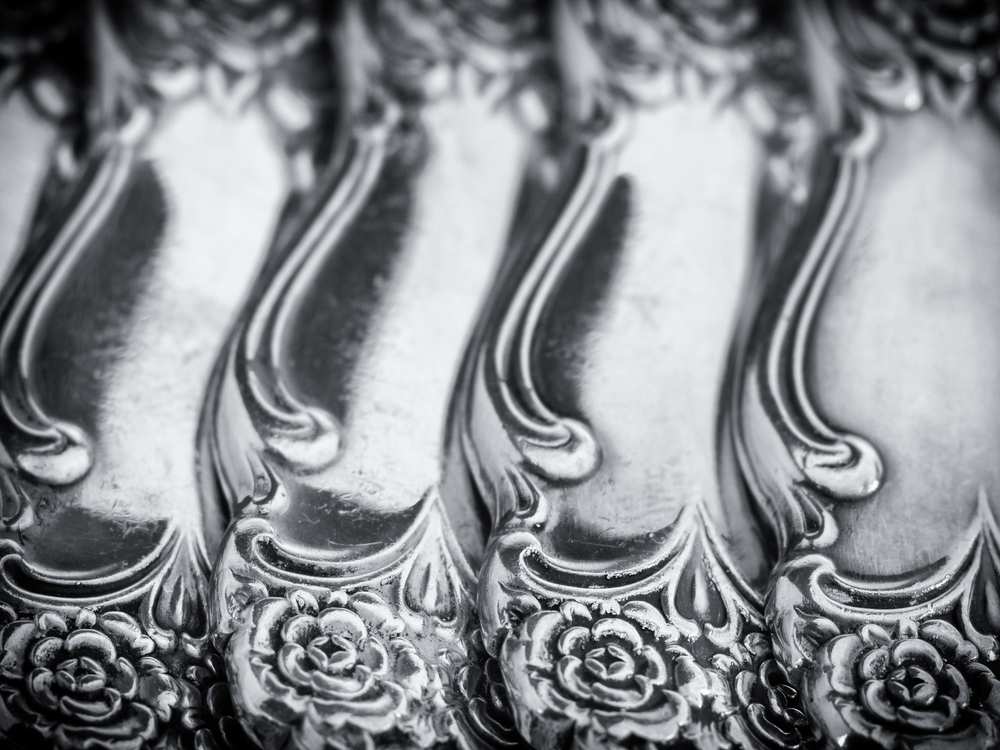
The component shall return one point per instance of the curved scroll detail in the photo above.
(863, 651)
(47, 449)
(334, 645)
(556, 447)
(672, 650)
(304, 437)
(819, 463)
(118, 661)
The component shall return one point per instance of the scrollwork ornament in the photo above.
(16, 511)
(779, 425)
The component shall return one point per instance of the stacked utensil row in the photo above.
(473, 374)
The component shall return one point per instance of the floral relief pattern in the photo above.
(483, 702)
(959, 38)
(211, 720)
(324, 675)
(98, 681)
(88, 681)
(924, 688)
(768, 704)
(620, 679)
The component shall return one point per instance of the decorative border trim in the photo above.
(122, 660)
(854, 647)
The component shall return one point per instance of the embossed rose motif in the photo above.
(720, 22)
(256, 28)
(768, 704)
(483, 701)
(211, 719)
(925, 688)
(84, 682)
(961, 38)
(319, 672)
(616, 678)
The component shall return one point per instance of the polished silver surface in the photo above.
(867, 417)
(475, 374)
(622, 588)
(133, 260)
(342, 592)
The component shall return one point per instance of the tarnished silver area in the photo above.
(621, 591)
(866, 408)
(343, 598)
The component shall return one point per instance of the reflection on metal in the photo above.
(112, 314)
(629, 625)
(342, 598)
(552, 373)
(891, 638)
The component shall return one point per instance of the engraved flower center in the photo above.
(82, 676)
(610, 663)
(909, 684)
(332, 654)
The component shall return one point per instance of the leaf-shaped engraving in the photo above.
(180, 597)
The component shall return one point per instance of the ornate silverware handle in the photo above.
(478, 374)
